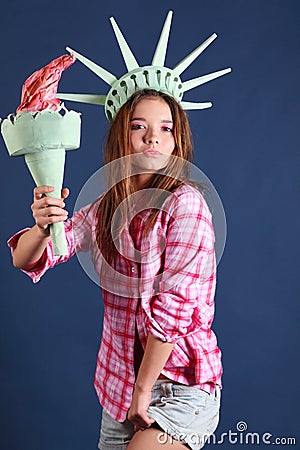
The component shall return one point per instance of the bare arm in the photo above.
(45, 210)
(154, 359)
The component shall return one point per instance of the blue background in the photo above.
(248, 145)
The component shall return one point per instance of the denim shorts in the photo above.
(187, 414)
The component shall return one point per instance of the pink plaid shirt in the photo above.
(163, 284)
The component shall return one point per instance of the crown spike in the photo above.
(193, 105)
(102, 73)
(161, 49)
(93, 99)
(191, 84)
(130, 61)
(187, 61)
(155, 76)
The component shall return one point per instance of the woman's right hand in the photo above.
(47, 210)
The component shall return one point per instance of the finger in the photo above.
(39, 191)
(65, 193)
(41, 209)
(45, 202)
(54, 211)
(44, 213)
(53, 219)
(142, 422)
(43, 222)
(142, 427)
(149, 422)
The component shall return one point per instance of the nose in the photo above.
(151, 137)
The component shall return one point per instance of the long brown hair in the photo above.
(118, 146)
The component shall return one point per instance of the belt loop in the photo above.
(217, 391)
(167, 389)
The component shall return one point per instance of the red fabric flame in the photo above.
(39, 90)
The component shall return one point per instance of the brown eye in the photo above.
(137, 127)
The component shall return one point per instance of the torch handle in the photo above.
(58, 237)
(47, 168)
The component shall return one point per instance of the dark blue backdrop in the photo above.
(248, 144)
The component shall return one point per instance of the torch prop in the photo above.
(42, 131)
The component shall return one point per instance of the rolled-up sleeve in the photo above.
(181, 304)
(78, 231)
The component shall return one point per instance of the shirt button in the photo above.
(132, 269)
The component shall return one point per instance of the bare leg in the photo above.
(154, 439)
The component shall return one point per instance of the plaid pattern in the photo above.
(163, 284)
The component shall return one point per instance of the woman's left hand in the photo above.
(138, 411)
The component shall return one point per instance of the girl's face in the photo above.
(151, 133)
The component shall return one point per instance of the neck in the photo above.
(141, 181)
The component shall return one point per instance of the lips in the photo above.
(152, 152)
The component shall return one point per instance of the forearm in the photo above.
(155, 357)
(30, 248)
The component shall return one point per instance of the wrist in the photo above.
(42, 233)
(142, 388)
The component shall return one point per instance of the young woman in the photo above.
(158, 374)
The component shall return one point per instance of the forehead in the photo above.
(152, 107)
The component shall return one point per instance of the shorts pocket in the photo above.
(182, 408)
(184, 412)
